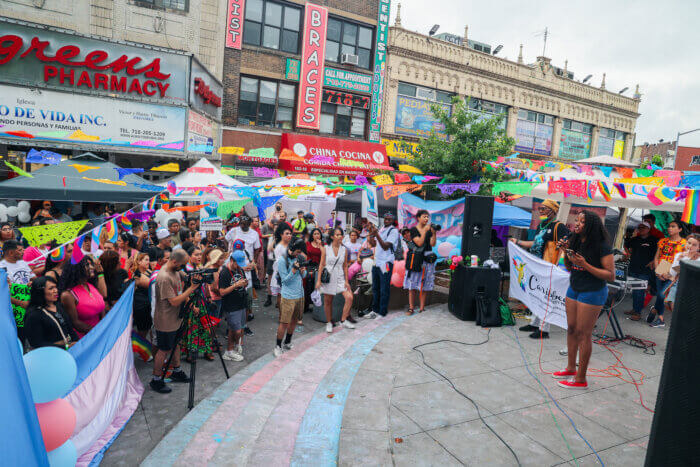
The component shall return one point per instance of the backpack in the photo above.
(397, 249)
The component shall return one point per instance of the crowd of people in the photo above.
(208, 280)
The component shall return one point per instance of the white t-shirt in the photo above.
(250, 238)
(353, 249)
(19, 272)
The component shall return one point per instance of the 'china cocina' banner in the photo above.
(539, 285)
(305, 153)
(311, 76)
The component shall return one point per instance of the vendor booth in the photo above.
(201, 175)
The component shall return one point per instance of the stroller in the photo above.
(361, 287)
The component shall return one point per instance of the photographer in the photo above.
(291, 268)
(169, 297)
(197, 336)
(385, 242)
(234, 300)
(423, 239)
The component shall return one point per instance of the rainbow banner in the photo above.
(691, 212)
(604, 191)
(658, 196)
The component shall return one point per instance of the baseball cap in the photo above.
(162, 233)
(239, 245)
(644, 224)
(239, 257)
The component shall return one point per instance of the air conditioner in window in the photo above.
(349, 59)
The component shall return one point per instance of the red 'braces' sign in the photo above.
(311, 76)
(234, 24)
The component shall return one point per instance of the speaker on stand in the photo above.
(675, 428)
(476, 229)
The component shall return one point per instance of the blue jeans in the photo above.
(381, 287)
(638, 295)
(661, 286)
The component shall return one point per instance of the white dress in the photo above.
(334, 265)
(279, 251)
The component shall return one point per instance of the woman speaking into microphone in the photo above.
(590, 260)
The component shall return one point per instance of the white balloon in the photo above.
(12, 211)
(3, 210)
(178, 204)
(23, 206)
(24, 217)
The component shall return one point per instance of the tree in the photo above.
(656, 159)
(471, 138)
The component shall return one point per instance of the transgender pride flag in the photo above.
(107, 389)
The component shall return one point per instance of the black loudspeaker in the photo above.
(476, 230)
(466, 284)
(675, 429)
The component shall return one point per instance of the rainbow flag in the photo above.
(140, 346)
(172, 189)
(590, 190)
(691, 212)
(604, 190)
(126, 223)
(149, 204)
(59, 254)
(659, 196)
(77, 255)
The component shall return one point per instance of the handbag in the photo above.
(325, 274)
(551, 251)
(430, 257)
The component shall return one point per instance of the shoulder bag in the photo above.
(325, 274)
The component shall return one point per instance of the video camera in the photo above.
(207, 276)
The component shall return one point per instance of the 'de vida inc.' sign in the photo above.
(52, 59)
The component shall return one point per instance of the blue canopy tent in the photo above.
(507, 215)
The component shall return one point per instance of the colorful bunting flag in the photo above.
(170, 167)
(201, 170)
(227, 207)
(126, 223)
(660, 195)
(77, 255)
(231, 150)
(59, 254)
(18, 171)
(61, 233)
(515, 188)
(604, 190)
(112, 230)
(186, 208)
(655, 181)
(391, 191)
(383, 179)
(106, 181)
(409, 169)
(265, 172)
(568, 187)
(641, 173)
(621, 189)
(361, 180)
(82, 167)
(43, 157)
(606, 170)
(124, 172)
(232, 172)
(449, 188)
(171, 187)
(402, 178)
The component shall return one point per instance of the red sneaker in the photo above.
(563, 374)
(572, 385)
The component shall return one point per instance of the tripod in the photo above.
(195, 309)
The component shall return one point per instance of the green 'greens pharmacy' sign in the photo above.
(379, 66)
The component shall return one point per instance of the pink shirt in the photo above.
(33, 254)
(90, 305)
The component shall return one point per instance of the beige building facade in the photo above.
(548, 114)
(191, 26)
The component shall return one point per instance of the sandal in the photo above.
(409, 312)
(421, 310)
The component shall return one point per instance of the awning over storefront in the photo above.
(332, 156)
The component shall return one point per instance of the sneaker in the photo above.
(268, 302)
(657, 323)
(371, 315)
(237, 357)
(348, 325)
(228, 355)
(572, 385)
(159, 386)
(289, 346)
(537, 334)
(329, 327)
(528, 328)
(247, 331)
(563, 374)
(277, 351)
(179, 377)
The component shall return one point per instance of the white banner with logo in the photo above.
(370, 204)
(539, 285)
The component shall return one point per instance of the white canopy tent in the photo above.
(607, 160)
(193, 179)
(284, 181)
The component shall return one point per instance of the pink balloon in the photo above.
(460, 258)
(444, 248)
(57, 422)
(398, 273)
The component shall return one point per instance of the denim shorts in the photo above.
(597, 297)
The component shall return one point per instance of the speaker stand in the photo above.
(612, 317)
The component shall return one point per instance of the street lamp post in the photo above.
(678, 137)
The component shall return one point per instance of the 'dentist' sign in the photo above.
(311, 75)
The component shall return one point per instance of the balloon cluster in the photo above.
(162, 216)
(51, 372)
(455, 260)
(398, 274)
(448, 246)
(21, 212)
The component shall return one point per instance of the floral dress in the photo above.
(197, 337)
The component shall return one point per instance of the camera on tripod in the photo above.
(207, 276)
(437, 227)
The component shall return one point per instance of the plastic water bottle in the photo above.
(475, 261)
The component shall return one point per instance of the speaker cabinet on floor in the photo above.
(466, 283)
(676, 426)
(476, 230)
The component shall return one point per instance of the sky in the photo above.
(651, 43)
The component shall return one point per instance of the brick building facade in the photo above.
(261, 91)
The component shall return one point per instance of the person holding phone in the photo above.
(423, 236)
(590, 260)
(667, 250)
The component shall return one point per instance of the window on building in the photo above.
(422, 92)
(272, 25)
(343, 120)
(181, 5)
(344, 37)
(266, 103)
(577, 126)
